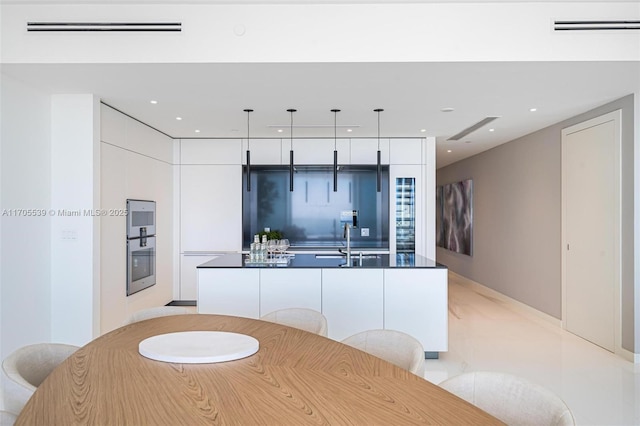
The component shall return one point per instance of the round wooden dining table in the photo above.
(295, 378)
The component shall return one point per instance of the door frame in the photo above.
(616, 117)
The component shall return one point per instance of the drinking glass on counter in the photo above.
(283, 245)
(272, 247)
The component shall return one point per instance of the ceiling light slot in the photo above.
(105, 26)
(576, 25)
(472, 128)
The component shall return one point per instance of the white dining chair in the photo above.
(27, 367)
(512, 399)
(397, 347)
(7, 418)
(159, 311)
(305, 319)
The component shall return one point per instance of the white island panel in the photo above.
(290, 288)
(415, 302)
(229, 292)
(352, 300)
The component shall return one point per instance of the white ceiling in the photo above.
(211, 97)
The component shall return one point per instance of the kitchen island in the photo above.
(405, 293)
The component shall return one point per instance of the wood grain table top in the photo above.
(296, 378)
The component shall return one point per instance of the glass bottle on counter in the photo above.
(254, 248)
(263, 249)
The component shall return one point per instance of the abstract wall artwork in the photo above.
(439, 230)
(455, 229)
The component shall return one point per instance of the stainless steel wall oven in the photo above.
(141, 245)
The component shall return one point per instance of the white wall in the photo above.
(25, 249)
(74, 230)
(136, 162)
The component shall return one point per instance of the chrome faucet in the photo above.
(347, 235)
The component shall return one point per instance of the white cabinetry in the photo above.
(352, 300)
(210, 151)
(233, 291)
(286, 288)
(416, 303)
(413, 301)
(316, 151)
(405, 151)
(264, 151)
(365, 151)
(210, 208)
(188, 273)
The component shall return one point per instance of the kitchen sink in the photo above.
(354, 256)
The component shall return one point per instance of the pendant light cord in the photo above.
(335, 130)
(378, 111)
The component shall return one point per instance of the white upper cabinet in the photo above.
(211, 151)
(145, 140)
(113, 126)
(210, 208)
(316, 151)
(119, 130)
(405, 151)
(264, 151)
(365, 151)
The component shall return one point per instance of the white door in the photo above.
(591, 229)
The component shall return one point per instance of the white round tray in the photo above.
(198, 347)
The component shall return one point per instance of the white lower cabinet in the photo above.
(233, 291)
(416, 303)
(290, 288)
(352, 300)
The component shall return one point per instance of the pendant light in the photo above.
(291, 111)
(335, 149)
(378, 163)
(248, 111)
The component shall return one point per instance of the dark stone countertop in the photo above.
(369, 261)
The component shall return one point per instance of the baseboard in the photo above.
(628, 355)
(507, 302)
(182, 303)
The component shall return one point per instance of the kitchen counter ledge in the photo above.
(325, 261)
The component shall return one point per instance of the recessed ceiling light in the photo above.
(492, 130)
(448, 150)
(533, 109)
(178, 118)
(154, 102)
(423, 130)
(349, 130)
(197, 131)
(280, 130)
(447, 109)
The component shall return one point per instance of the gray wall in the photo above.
(517, 217)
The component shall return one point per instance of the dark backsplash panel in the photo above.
(310, 215)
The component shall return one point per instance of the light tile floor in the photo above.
(599, 387)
